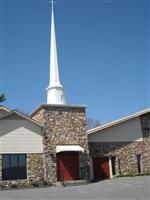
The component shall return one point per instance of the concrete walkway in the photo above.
(137, 188)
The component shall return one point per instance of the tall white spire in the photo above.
(55, 91)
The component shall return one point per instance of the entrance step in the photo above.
(75, 182)
(72, 183)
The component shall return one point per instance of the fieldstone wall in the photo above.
(35, 167)
(145, 124)
(126, 152)
(6, 183)
(146, 155)
(63, 125)
(0, 168)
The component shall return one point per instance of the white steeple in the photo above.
(55, 91)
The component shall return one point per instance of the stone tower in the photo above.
(64, 138)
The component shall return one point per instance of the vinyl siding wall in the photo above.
(20, 136)
(123, 132)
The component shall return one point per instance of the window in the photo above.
(14, 166)
(113, 165)
(138, 157)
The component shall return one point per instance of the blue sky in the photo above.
(103, 51)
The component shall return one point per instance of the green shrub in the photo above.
(2, 186)
(36, 183)
(14, 185)
(144, 174)
(45, 183)
(133, 174)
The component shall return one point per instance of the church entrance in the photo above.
(67, 166)
(101, 168)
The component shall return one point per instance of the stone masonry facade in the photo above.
(145, 125)
(64, 125)
(126, 152)
(35, 167)
(0, 168)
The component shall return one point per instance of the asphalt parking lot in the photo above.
(137, 188)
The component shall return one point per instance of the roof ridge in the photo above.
(5, 108)
(22, 115)
(118, 121)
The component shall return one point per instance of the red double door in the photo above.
(101, 168)
(67, 166)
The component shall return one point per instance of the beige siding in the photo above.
(123, 132)
(20, 136)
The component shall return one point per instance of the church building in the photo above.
(53, 144)
(121, 147)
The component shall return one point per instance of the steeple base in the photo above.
(55, 95)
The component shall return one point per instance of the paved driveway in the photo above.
(137, 188)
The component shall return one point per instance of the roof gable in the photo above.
(116, 122)
(3, 110)
(18, 115)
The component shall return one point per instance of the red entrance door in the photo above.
(101, 168)
(67, 166)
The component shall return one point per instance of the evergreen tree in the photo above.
(2, 98)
